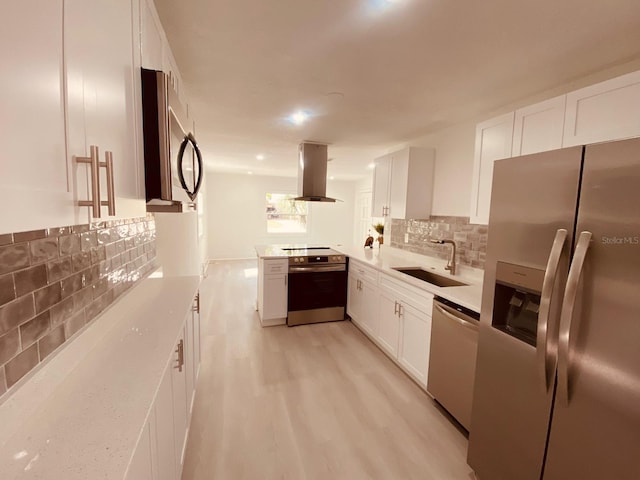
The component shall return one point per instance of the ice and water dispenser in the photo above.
(517, 301)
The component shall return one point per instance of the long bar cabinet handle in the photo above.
(542, 335)
(566, 317)
(111, 194)
(94, 164)
(180, 360)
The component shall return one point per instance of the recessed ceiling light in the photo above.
(371, 166)
(260, 156)
(250, 172)
(331, 177)
(299, 117)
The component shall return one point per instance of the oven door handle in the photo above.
(318, 268)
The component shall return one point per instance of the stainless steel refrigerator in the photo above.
(557, 388)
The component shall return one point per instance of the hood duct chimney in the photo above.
(312, 173)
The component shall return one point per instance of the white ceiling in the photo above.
(375, 73)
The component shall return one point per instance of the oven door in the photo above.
(317, 288)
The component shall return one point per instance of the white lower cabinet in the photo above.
(395, 315)
(389, 324)
(405, 325)
(159, 454)
(165, 436)
(272, 291)
(415, 342)
(179, 389)
(362, 300)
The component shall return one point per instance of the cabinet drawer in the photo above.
(276, 266)
(420, 299)
(365, 272)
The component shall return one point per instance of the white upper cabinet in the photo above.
(152, 39)
(102, 101)
(381, 185)
(602, 112)
(493, 141)
(539, 127)
(34, 189)
(403, 184)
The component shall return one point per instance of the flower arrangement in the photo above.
(379, 227)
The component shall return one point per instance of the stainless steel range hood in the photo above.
(312, 173)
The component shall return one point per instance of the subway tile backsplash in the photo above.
(55, 281)
(471, 240)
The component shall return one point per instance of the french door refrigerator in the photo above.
(557, 388)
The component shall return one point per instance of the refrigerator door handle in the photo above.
(546, 365)
(566, 317)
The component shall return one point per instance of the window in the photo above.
(284, 215)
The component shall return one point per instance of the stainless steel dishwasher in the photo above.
(452, 358)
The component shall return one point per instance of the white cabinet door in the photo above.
(275, 296)
(164, 431)
(180, 407)
(197, 340)
(493, 142)
(602, 112)
(102, 100)
(34, 189)
(353, 297)
(403, 184)
(152, 36)
(415, 342)
(398, 187)
(141, 466)
(389, 323)
(381, 185)
(369, 308)
(189, 366)
(411, 192)
(539, 127)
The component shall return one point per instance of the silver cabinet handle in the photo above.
(285, 280)
(111, 195)
(459, 321)
(196, 303)
(566, 316)
(400, 310)
(545, 359)
(395, 310)
(180, 360)
(94, 164)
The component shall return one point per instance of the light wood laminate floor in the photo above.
(309, 402)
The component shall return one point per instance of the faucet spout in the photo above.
(451, 265)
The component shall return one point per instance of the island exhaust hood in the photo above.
(312, 173)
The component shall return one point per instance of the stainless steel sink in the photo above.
(430, 277)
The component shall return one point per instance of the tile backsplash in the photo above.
(55, 281)
(471, 240)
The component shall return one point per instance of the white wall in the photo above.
(236, 214)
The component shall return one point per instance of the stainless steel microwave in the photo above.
(173, 166)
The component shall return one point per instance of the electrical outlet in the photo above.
(406, 238)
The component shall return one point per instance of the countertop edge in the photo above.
(106, 377)
(469, 296)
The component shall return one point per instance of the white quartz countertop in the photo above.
(386, 258)
(80, 415)
(276, 251)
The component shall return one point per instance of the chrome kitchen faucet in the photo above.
(451, 266)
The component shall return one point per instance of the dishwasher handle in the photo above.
(457, 317)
